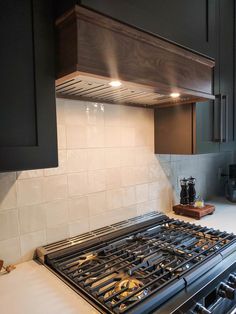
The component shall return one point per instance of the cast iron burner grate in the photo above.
(119, 275)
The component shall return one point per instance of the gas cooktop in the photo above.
(137, 265)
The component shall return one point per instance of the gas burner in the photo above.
(85, 262)
(125, 272)
(129, 285)
(94, 280)
(182, 268)
(137, 238)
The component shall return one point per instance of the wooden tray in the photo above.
(191, 211)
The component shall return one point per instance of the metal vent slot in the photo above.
(49, 248)
(83, 87)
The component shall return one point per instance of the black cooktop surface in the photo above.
(139, 271)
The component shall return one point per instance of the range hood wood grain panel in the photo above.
(92, 49)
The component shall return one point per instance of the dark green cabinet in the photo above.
(190, 23)
(212, 124)
(216, 119)
(28, 137)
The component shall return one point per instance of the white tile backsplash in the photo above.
(107, 172)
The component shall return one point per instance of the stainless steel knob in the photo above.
(232, 280)
(200, 309)
(225, 291)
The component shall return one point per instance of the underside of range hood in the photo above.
(93, 50)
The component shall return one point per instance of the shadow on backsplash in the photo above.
(205, 168)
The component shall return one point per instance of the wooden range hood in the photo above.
(93, 50)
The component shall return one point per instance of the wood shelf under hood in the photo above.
(93, 49)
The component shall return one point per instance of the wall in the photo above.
(107, 172)
(205, 168)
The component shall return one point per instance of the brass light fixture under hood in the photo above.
(100, 59)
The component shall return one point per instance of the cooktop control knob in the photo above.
(225, 291)
(200, 309)
(232, 280)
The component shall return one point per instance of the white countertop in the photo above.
(33, 289)
(224, 217)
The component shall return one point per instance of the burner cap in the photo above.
(131, 285)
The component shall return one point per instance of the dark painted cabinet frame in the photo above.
(206, 127)
(44, 153)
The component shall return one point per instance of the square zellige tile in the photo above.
(112, 157)
(32, 218)
(76, 136)
(142, 193)
(29, 242)
(7, 190)
(76, 160)
(127, 136)
(55, 187)
(57, 233)
(129, 196)
(56, 213)
(10, 250)
(96, 181)
(112, 136)
(78, 208)
(78, 227)
(77, 184)
(114, 199)
(96, 158)
(8, 224)
(113, 178)
(75, 112)
(95, 136)
(94, 113)
(30, 191)
(97, 203)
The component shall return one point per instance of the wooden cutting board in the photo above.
(191, 211)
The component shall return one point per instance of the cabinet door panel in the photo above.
(190, 23)
(17, 56)
(205, 128)
(27, 112)
(227, 38)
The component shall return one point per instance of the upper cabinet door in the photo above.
(227, 72)
(190, 23)
(27, 112)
